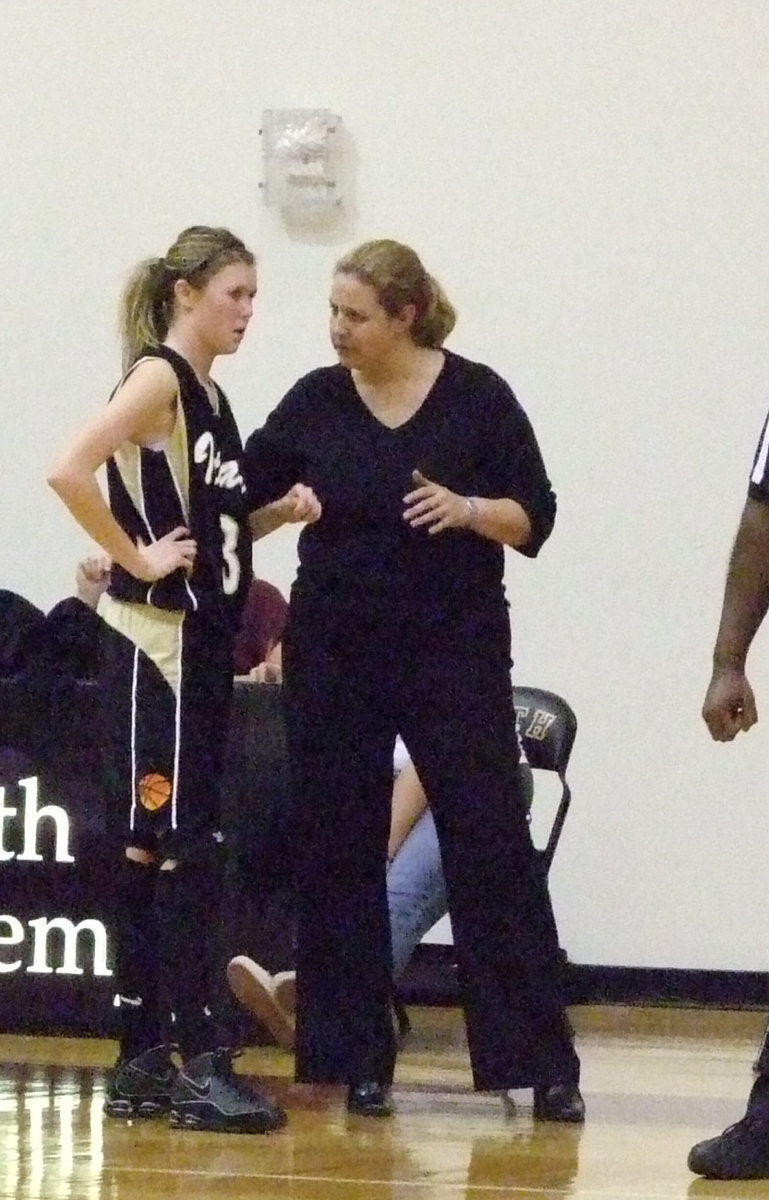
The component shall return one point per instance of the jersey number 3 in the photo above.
(230, 560)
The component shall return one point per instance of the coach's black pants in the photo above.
(352, 680)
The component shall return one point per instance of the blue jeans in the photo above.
(416, 888)
(416, 891)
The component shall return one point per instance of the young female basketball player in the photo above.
(176, 530)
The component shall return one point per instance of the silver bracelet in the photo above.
(472, 510)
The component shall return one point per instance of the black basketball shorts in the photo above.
(167, 683)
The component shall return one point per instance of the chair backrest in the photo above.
(547, 726)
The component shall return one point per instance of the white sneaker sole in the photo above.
(252, 986)
(284, 990)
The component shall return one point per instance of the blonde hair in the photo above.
(147, 303)
(396, 274)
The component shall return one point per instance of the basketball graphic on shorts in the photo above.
(154, 791)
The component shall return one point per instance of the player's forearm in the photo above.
(270, 516)
(266, 519)
(746, 594)
(82, 496)
(501, 520)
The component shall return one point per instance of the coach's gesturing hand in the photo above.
(435, 507)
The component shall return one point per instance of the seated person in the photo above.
(64, 637)
(257, 643)
(42, 657)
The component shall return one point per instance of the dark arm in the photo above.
(730, 706)
(517, 470)
(532, 490)
(270, 469)
(514, 503)
(746, 595)
(274, 462)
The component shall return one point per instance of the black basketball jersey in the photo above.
(192, 479)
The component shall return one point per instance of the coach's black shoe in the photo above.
(559, 1102)
(740, 1152)
(369, 1099)
(141, 1086)
(209, 1095)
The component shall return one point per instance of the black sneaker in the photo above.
(208, 1094)
(141, 1086)
(740, 1152)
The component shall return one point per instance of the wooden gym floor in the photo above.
(655, 1081)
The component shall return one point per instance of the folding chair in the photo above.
(547, 727)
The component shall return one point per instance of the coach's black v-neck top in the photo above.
(469, 434)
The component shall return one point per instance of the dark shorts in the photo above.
(166, 686)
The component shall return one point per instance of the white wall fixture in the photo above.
(301, 159)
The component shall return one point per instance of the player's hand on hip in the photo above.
(170, 552)
(434, 506)
(730, 706)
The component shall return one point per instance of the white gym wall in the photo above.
(590, 181)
